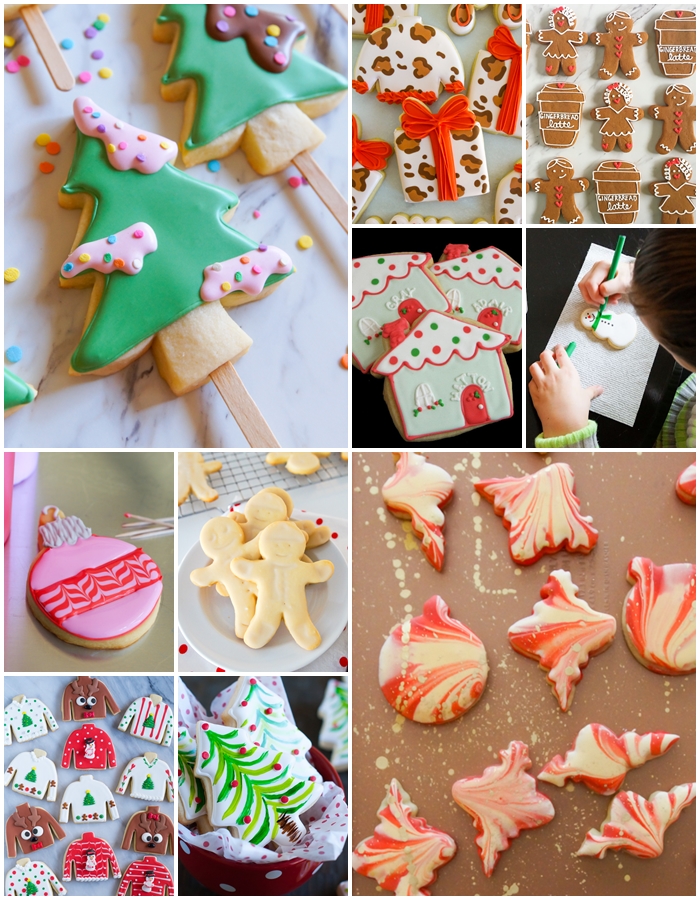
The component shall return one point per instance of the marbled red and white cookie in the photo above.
(685, 485)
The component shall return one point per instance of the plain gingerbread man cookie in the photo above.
(222, 540)
(275, 505)
(560, 38)
(192, 471)
(297, 463)
(677, 192)
(678, 118)
(619, 41)
(280, 580)
(560, 189)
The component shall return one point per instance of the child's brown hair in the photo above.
(663, 288)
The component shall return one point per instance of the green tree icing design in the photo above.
(187, 781)
(30, 776)
(89, 800)
(26, 720)
(148, 784)
(150, 721)
(264, 709)
(31, 888)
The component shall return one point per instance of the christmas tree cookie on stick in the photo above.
(278, 90)
(33, 18)
(156, 248)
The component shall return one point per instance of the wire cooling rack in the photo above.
(244, 474)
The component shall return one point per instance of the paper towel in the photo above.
(623, 373)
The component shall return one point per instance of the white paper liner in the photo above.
(189, 709)
(326, 821)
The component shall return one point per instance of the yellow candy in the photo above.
(111, 148)
(11, 274)
(305, 242)
(43, 139)
(103, 17)
(84, 257)
(225, 286)
(164, 145)
(9, 40)
(105, 73)
(274, 30)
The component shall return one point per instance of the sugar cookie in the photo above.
(495, 86)
(297, 463)
(90, 801)
(273, 504)
(366, 18)
(618, 42)
(685, 485)
(334, 730)
(509, 197)
(90, 747)
(369, 160)
(151, 720)
(89, 858)
(508, 14)
(32, 877)
(31, 828)
(618, 329)
(87, 698)
(147, 877)
(192, 471)
(27, 718)
(149, 831)
(191, 797)
(150, 777)
(32, 772)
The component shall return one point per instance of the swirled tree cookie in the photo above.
(367, 17)
(333, 712)
(685, 485)
(369, 159)
(96, 592)
(419, 491)
(562, 633)
(677, 117)
(636, 825)
(278, 89)
(503, 801)
(617, 115)
(618, 42)
(432, 668)
(404, 852)
(561, 40)
(600, 759)
(542, 513)
(677, 193)
(658, 616)
(191, 796)
(408, 59)
(618, 329)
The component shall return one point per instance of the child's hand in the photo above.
(561, 403)
(594, 287)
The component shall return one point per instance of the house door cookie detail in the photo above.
(471, 391)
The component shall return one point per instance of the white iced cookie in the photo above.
(509, 197)
(366, 18)
(461, 18)
(619, 330)
(508, 14)
(405, 219)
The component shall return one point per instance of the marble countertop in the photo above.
(98, 488)
(124, 689)
(299, 334)
(586, 154)
(380, 119)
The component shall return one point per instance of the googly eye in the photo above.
(81, 701)
(91, 701)
(38, 831)
(157, 838)
(26, 835)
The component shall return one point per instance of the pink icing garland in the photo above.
(120, 252)
(247, 273)
(128, 147)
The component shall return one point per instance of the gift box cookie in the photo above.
(559, 108)
(617, 188)
(675, 42)
(495, 88)
(366, 17)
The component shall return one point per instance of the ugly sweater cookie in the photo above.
(147, 877)
(33, 878)
(151, 719)
(90, 800)
(91, 747)
(149, 831)
(27, 717)
(31, 828)
(87, 698)
(150, 779)
(89, 858)
(32, 772)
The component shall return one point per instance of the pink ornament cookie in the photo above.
(432, 669)
(97, 592)
(685, 485)
(542, 513)
(658, 616)
(503, 802)
(419, 491)
(636, 825)
(601, 759)
(404, 852)
(562, 633)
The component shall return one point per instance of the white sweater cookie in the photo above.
(33, 775)
(91, 801)
(36, 873)
(149, 780)
(27, 717)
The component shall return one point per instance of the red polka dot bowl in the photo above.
(228, 877)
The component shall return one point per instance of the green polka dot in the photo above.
(375, 281)
(455, 268)
(433, 325)
(498, 269)
(455, 340)
(107, 257)
(381, 260)
(486, 337)
(479, 255)
(415, 352)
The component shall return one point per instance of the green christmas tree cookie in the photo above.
(192, 798)
(253, 789)
(253, 88)
(17, 392)
(155, 246)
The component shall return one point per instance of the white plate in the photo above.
(207, 619)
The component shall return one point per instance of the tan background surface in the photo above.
(634, 506)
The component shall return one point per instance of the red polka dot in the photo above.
(205, 755)
(205, 726)
(482, 271)
(343, 661)
(419, 334)
(393, 360)
(253, 681)
(516, 268)
(496, 255)
(183, 648)
(356, 265)
(392, 267)
(415, 256)
(466, 329)
(436, 350)
(23, 60)
(334, 535)
(319, 521)
(246, 819)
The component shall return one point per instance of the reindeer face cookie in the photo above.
(150, 831)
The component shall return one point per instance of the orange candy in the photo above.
(53, 148)
(344, 361)
(46, 167)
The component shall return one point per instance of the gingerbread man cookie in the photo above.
(677, 192)
(618, 41)
(617, 115)
(192, 471)
(560, 188)
(222, 539)
(560, 39)
(298, 463)
(273, 504)
(678, 118)
(280, 580)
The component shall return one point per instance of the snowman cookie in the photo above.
(618, 329)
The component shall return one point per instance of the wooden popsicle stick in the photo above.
(324, 187)
(242, 407)
(340, 8)
(48, 49)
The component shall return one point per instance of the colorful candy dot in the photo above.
(98, 24)
(67, 44)
(13, 354)
(415, 352)
(222, 26)
(107, 257)
(122, 145)
(53, 148)
(84, 77)
(256, 213)
(305, 242)
(225, 285)
(262, 248)
(12, 66)
(9, 40)
(344, 361)
(245, 260)
(251, 10)
(103, 17)
(238, 277)
(97, 54)
(68, 267)
(270, 41)
(11, 274)
(101, 129)
(90, 33)
(46, 167)
(455, 340)
(229, 11)
(23, 60)
(43, 139)
(294, 181)
(138, 233)
(141, 137)
(213, 165)
(84, 257)
(274, 30)
(111, 148)
(119, 263)
(163, 145)
(280, 58)
(105, 72)
(141, 157)
(256, 270)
